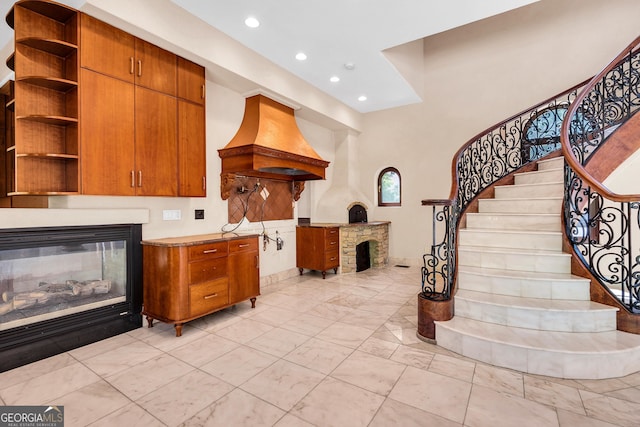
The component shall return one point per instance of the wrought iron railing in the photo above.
(485, 159)
(604, 227)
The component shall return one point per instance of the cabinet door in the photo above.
(156, 143)
(155, 68)
(243, 270)
(106, 49)
(191, 81)
(106, 134)
(191, 150)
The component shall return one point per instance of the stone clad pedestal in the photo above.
(376, 233)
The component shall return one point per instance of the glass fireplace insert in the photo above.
(64, 287)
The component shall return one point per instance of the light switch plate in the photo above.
(171, 215)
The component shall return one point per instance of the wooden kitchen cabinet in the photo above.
(192, 155)
(98, 39)
(155, 68)
(129, 138)
(185, 278)
(111, 51)
(191, 81)
(318, 248)
(130, 114)
(107, 135)
(244, 261)
(156, 164)
(43, 155)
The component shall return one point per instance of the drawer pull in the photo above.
(210, 251)
(333, 243)
(333, 231)
(333, 258)
(204, 270)
(210, 296)
(244, 245)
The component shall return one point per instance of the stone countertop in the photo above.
(355, 224)
(196, 239)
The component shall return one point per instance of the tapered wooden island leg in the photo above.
(149, 322)
(178, 327)
(253, 302)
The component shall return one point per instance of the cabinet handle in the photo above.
(139, 178)
(210, 296)
(133, 179)
(204, 182)
(243, 245)
(204, 270)
(333, 243)
(210, 251)
(202, 95)
(333, 258)
(332, 231)
(139, 68)
(131, 69)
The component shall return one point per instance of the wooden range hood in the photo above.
(270, 145)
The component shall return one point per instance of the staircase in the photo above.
(518, 306)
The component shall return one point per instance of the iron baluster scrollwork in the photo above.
(603, 227)
(439, 264)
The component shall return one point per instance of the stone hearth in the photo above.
(376, 233)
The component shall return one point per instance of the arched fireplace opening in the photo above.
(358, 214)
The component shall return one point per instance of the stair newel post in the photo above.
(435, 302)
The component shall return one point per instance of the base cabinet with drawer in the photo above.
(318, 248)
(185, 278)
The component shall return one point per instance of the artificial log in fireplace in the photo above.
(64, 287)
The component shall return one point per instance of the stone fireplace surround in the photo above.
(376, 233)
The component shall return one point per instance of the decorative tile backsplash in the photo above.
(260, 200)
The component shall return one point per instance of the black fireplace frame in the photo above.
(35, 341)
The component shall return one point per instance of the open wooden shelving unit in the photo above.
(43, 158)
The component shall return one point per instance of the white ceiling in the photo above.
(333, 33)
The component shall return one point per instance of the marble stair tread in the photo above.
(571, 355)
(525, 259)
(517, 274)
(527, 191)
(521, 205)
(597, 343)
(513, 221)
(555, 163)
(536, 313)
(522, 251)
(542, 285)
(534, 303)
(539, 176)
(508, 239)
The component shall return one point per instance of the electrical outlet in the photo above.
(199, 213)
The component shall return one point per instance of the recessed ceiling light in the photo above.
(252, 22)
(334, 79)
(300, 56)
(349, 66)
(362, 98)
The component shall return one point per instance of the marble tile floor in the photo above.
(336, 352)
